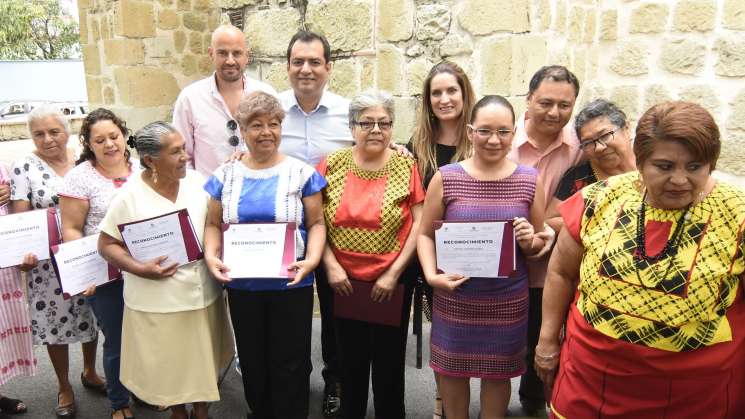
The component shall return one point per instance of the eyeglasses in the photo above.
(485, 133)
(370, 125)
(593, 144)
(232, 127)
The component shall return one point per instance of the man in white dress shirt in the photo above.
(204, 110)
(316, 124)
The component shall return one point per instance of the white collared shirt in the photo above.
(309, 137)
(201, 116)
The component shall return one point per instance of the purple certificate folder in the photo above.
(508, 251)
(191, 242)
(360, 306)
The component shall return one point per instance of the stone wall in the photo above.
(635, 52)
(138, 54)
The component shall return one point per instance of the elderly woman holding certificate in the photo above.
(479, 324)
(55, 321)
(371, 206)
(104, 165)
(175, 337)
(271, 311)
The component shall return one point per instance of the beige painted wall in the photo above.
(139, 53)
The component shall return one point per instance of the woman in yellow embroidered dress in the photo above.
(650, 265)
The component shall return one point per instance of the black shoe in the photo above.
(533, 408)
(331, 404)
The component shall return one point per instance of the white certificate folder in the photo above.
(170, 235)
(79, 265)
(259, 250)
(479, 249)
(28, 232)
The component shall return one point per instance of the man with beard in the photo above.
(204, 110)
(316, 124)
(545, 140)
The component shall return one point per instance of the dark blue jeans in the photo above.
(108, 306)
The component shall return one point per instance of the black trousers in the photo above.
(531, 387)
(363, 345)
(329, 350)
(273, 331)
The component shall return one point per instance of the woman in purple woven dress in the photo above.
(479, 325)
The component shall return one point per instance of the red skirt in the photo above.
(602, 377)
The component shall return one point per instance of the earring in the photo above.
(155, 175)
(639, 183)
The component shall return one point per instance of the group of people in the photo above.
(624, 301)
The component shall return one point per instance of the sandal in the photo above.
(12, 406)
(66, 411)
(439, 412)
(124, 414)
(98, 388)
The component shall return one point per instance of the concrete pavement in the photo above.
(39, 392)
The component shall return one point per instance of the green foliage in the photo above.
(37, 30)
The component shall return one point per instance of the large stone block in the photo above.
(395, 20)
(367, 73)
(347, 24)
(124, 51)
(159, 47)
(432, 22)
(196, 43)
(483, 17)
(561, 16)
(588, 36)
(683, 55)
(654, 94)
(179, 41)
(106, 27)
(405, 119)
(731, 56)
(235, 4)
(83, 28)
(91, 60)
(268, 31)
(703, 94)
(733, 16)
(559, 56)
(416, 72)
(204, 65)
(575, 23)
(109, 97)
(631, 59)
(528, 55)
(93, 87)
(580, 63)
(195, 21)
(454, 44)
(276, 75)
(183, 5)
(695, 15)
(544, 14)
(136, 19)
(343, 80)
(495, 66)
(142, 86)
(168, 19)
(732, 155)
(609, 25)
(649, 18)
(188, 65)
(204, 5)
(737, 113)
(391, 69)
(627, 98)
